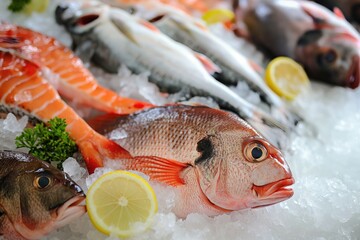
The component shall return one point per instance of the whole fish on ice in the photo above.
(68, 74)
(35, 197)
(323, 42)
(216, 161)
(120, 38)
(193, 33)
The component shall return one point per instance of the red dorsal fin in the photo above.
(159, 169)
(209, 65)
(339, 13)
(149, 26)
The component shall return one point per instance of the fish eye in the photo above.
(42, 181)
(255, 152)
(86, 19)
(328, 57)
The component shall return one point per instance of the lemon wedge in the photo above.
(117, 200)
(36, 6)
(286, 77)
(217, 15)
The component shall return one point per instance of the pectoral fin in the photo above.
(209, 65)
(160, 169)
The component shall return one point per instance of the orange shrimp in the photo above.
(23, 86)
(74, 81)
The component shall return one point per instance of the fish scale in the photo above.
(29, 210)
(203, 155)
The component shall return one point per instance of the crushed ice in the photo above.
(326, 204)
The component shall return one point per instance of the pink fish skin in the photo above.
(216, 162)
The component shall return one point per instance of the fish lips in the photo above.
(273, 192)
(352, 79)
(70, 210)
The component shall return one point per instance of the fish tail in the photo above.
(22, 86)
(97, 148)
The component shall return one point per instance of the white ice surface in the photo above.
(325, 165)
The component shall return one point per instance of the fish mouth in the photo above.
(274, 192)
(70, 210)
(352, 79)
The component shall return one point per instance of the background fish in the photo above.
(35, 197)
(183, 28)
(120, 38)
(324, 43)
(216, 161)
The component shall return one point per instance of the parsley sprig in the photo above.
(50, 142)
(18, 5)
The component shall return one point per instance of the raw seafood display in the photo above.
(207, 161)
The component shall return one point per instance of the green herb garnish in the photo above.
(18, 5)
(50, 143)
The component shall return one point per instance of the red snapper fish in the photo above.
(322, 41)
(216, 162)
(69, 75)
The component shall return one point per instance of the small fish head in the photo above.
(243, 171)
(80, 18)
(331, 56)
(40, 199)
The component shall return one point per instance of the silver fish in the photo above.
(192, 32)
(116, 37)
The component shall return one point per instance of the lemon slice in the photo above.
(117, 200)
(286, 77)
(36, 6)
(218, 15)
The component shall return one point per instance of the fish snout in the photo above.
(274, 192)
(352, 79)
(272, 181)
